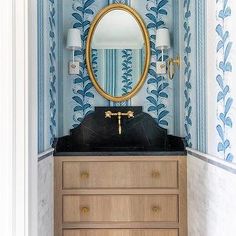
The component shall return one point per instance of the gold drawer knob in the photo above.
(155, 174)
(156, 209)
(85, 210)
(84, 175)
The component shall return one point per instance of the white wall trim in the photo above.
(45, 154)
(228, 166)
(20, 119)
(6, 119)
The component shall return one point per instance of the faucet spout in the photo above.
(129, 114)
(119, 123)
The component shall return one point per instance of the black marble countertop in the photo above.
(99, 136)
(132, 153)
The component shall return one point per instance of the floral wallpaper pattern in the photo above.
(95, 61)
(52, 68)
(84, 96)
(127, 71)
(187, 72)
(224, 68)
(158, 84)
(82, 84)
(47, 16)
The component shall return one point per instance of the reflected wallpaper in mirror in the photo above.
(117, 70)
(118, 53)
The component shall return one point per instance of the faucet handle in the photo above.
(130, 114)
(108, 114)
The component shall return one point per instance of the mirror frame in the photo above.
(139, 20)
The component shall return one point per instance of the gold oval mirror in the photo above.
(118, 52)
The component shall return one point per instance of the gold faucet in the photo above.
(129, 114)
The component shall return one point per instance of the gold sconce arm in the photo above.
(173, 62)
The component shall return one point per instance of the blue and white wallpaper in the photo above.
(82, 89)
(65, 100)
(79, 96)
(220, 55)
(158, 93)
(224, 70)
(52, 34)
(119, 69)
(47, 73)
(127, 70)
(188, 72)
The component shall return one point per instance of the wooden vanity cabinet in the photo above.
(120, 196)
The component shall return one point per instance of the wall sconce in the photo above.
(163, 43)
(73, 43)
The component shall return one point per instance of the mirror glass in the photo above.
(118, 53)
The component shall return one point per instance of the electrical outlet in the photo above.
(161, 67)
(74, 68)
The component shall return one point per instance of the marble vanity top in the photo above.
(128, 153)
(99, 136)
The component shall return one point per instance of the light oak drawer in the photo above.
(158, 174)
(121, 232)
(120, 208)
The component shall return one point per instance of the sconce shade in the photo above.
(162, 39)
(73, 39)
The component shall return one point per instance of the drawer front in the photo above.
(120, 208)
(121, 232)
(158, 174)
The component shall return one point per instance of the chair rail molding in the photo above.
(215, 161)
(45, 154)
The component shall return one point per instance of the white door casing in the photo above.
(18, 119)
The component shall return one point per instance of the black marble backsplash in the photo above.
(99, 134)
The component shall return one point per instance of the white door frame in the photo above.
(18, 119)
